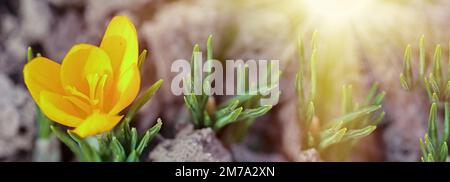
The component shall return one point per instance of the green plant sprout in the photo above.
(436, 84)
(241, 109)
(437, 87)
(433, 148)
(119, 145)
(334, 139)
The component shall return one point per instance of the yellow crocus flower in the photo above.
(92, 84)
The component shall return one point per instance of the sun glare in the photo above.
(338, 12)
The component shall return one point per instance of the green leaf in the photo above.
(429, 146)
(207, 120)
(203, 100)
(432, 124)
(104, 144)
(430, 158)
(227, 109)
(357, 114)
(424, 150)
(209, 48)
(134, 139)
(142, 58)
(446, 122)
(428, 88)
(89, 154)
(43, 123)
(371, 94)
(359, 133)
(197, 113)
(404, 82)
(335, 138)
(407, 68)
(208, 79)
(434, 84)
(379, 118)
(63, 137)
(117, 150)
(148, 136)
(379, 98)
(437, 71)
(422, 57)
(241, 80)
(195, 63)
(443, 152)
(447, 91)
(133, 157)
(144, 98)
(254, 113)
(187, 85)
(335, 127)
(435, 98)
(227, 119)
(30, 54)
(247, 97)
(195, 50)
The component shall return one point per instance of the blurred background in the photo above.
(359, 43)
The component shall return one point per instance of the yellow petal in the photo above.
(98, 62)
(121, 44)
(82, 64)
(98, 65)
(60, 110)
(72, 68)
(96, 123)
(125, 90)
(42, 74)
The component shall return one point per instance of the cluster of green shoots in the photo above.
(433, 147)
(333, 139)
(119, 145)
(241, 110)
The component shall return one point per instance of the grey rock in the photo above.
(16, 120)
(251, 39)
(195, 146)
(68, 31)
(11, 44)
(36, 19)
(98, 12)
(31, 25)
(67, 3)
